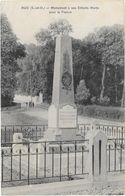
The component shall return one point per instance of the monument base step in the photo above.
(70, 134)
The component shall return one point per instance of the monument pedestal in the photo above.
(62, 123)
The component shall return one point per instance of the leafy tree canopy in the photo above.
(11, 50)
(58, 27)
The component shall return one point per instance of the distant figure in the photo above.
(29, 104)
(26, 104)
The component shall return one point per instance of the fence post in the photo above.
(17, 140)
(17, 137)
(97, 156)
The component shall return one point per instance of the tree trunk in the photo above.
(123, 96)
(116, 98)
(81, 73)
(31, 84)
(102, 83)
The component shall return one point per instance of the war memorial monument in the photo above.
(62, 113)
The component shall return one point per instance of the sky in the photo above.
(28, 17)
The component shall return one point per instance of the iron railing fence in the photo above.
(32, 132)
(116, 155)
(36, 132)
(111, 131)
(37, 162)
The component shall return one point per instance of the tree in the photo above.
(123, 98)
(32, 79)
(105, 62)
(82, 93)
(78, 61)
(58, 27)
(108, 41)
(11, 50)
(86, 66)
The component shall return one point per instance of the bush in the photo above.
(93, 100)
(6, 101)
(82, 93)
(101, 112)
(12, 107)
(104, 101)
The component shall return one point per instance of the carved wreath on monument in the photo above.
(66, 76)
(66, 79)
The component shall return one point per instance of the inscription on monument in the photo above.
(67, 117)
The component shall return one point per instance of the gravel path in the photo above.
(114, 186)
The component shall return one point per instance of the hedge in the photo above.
(12, 107)
(102, 112)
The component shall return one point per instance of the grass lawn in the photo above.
(39, 116)
(20, 117)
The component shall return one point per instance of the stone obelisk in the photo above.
(62, 114)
